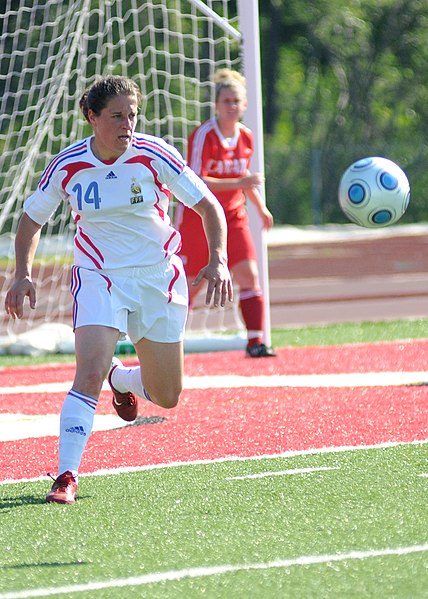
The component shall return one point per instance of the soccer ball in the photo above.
(374, 192)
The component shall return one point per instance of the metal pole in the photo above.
(253, 118)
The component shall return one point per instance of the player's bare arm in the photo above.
(249, 184)
(255, 198)
(248, 181)
(216, 272)
(26, 242)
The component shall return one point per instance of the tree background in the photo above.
(341, 80)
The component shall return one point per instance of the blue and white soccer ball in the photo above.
(374, 192)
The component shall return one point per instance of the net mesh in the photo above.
(50, 53)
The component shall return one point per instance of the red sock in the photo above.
(251, 303)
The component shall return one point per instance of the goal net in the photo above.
(50, 53)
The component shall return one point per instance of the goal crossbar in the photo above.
(209, 12)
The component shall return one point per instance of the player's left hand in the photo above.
(267, 218)
(220, 288)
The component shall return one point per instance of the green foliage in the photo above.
(351, 80)
(341, 80)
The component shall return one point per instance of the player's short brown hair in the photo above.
(98, 95)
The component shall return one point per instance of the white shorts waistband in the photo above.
(136, 271)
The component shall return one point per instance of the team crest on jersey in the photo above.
(136, 198)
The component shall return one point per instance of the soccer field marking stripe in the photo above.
(283, 472)
(204, 572)
(15, 427)
(62, 387)
(353, 379)
(273, 456)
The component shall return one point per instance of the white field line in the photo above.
(204, 572)
(15, 427)
(283, 455)
(283, 472)
(354, 379)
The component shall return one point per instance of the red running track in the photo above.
(220, 423)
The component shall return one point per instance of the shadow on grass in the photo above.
(7, 503)
(10, 502)
(44, 565)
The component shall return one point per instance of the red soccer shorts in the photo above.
(194, 250)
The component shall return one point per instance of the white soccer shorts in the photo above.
(148, 301)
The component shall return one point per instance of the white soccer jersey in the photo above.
(121, 208)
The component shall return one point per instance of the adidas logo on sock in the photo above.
(76, 429)
(111, 175)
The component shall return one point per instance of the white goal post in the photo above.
(50, 52)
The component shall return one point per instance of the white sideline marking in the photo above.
(286, 454)
(424, 474)
(353, 379)
(203, 572)
(62, 387)
(283, 472)
(15, 427)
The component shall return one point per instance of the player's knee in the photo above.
(90, 381)
(170, 402)
(167, 399)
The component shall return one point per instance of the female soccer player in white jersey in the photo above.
(126, 277)
(219, 152)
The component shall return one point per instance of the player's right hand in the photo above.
(14, 302)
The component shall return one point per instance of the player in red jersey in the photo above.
(219, 151)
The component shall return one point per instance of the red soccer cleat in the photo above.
(125, 404)
(63, 490)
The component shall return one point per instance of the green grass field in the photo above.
(142, 534)
(336, 524)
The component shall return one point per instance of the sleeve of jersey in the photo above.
(40, 206)
(198, 151)
(189, 188)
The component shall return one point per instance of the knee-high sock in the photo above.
(251, 302)
(127, 378)
(77, 417)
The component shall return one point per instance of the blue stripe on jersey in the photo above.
(75, 285)
(72, 152)
(160, 151)
(91, 402)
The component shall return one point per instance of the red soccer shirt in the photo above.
(212, 155)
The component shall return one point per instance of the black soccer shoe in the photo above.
(260, 351)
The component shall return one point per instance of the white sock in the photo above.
(77, 417)
(125, 378)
